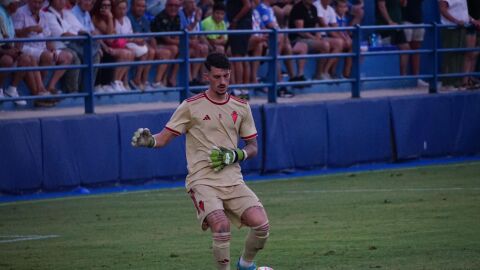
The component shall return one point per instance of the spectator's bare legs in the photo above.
(201, 51)
(162, 53)
(357, 13)
(64, 58)
(321, 46)
(256, 45)
(300, 48)
(415, 58)
(282, 14)
(470, 60)
(285, 48)
(336, 46)
(404, 58)
(173, 73)
(347, 66)
(6, 61)
(23, 61)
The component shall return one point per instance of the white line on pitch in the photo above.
(381, 190)
(18, 238)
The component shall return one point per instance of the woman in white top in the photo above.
(455, 13)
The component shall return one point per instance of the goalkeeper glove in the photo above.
(221, 157)
(143, 138)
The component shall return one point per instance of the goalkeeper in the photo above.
(213, 122)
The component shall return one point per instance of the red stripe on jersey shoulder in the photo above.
(250, 137)
(173, 131)
(243, 101)
(198, 96)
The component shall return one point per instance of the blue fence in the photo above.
(272, 58)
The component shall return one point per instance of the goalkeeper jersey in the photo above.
(207, 124)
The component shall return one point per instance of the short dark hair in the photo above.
(219, 6)
(218, 60)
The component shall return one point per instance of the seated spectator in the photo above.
(123, 26)
(168, 21)
(389, 12)
(257, 44)
(455, 13)
(140, 24)
(30, 21)
(474, 11)
(62, 22)
(341, 8)
(282, 9)
(216, 22)
(206, 6)
(113, 49)
(190, 18)
(356, 11)
(327, 18)
(304, 15)
(10, 54)
(412, 14)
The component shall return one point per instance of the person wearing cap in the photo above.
(10, 54)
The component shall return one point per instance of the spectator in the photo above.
(190, 18)
(304, 15)
(284, 47)
(168, 21)
(239, 14)
(257, 44)
(206, 6)
(455, 13)
(474, 12)
(327, 18)
(389, 12)
(30, 21)
(216, 22)
(113, 49)
(357, 11)
(123, 26)
(413, 14)
(154, 7)
(10, 54)
(62, 22)
(341, 8)
(282, 9)
(140, 24)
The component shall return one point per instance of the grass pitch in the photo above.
(423, 218)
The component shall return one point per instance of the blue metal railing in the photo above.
(272, 58)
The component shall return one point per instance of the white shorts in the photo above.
(138, 50)
(36, 52)
(414, 34)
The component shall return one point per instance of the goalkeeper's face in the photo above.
(219, 80)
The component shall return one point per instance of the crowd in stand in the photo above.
(58, 18)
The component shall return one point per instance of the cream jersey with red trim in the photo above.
(208, 124)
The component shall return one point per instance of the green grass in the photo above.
(423, 218)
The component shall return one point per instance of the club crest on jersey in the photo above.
(234, 117)
(206, 117)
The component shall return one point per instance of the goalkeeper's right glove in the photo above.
(221, 157)
(143, 138)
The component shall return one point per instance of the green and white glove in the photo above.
(143, 138)
(221, 157)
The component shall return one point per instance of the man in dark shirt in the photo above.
(389, 12)
(413, 14)
(168, 21)
(304, 15)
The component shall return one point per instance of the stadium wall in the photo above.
(91, 150)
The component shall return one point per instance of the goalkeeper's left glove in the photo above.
(221, 157)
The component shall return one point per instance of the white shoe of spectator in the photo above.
(127, 87)
(422, 83)
(108, 89)
(118, 86)
(98, 89)
(1, 93)
(325, 76)
(11, 91)
(157, 85)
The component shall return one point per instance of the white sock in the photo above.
(244, 263)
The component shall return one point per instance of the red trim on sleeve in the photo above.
(250, 137)
(173, 131)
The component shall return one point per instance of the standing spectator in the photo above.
(327, 18)
(304, 15)
(455, 13)
(168, 21)
(239, 14)
(30, 21)
(216, 22)
(341, 9)
(389, 12)
(140, 24)
(10, 54)
(284, 47)
(474, 12)
(190, 17)
(114, 49)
